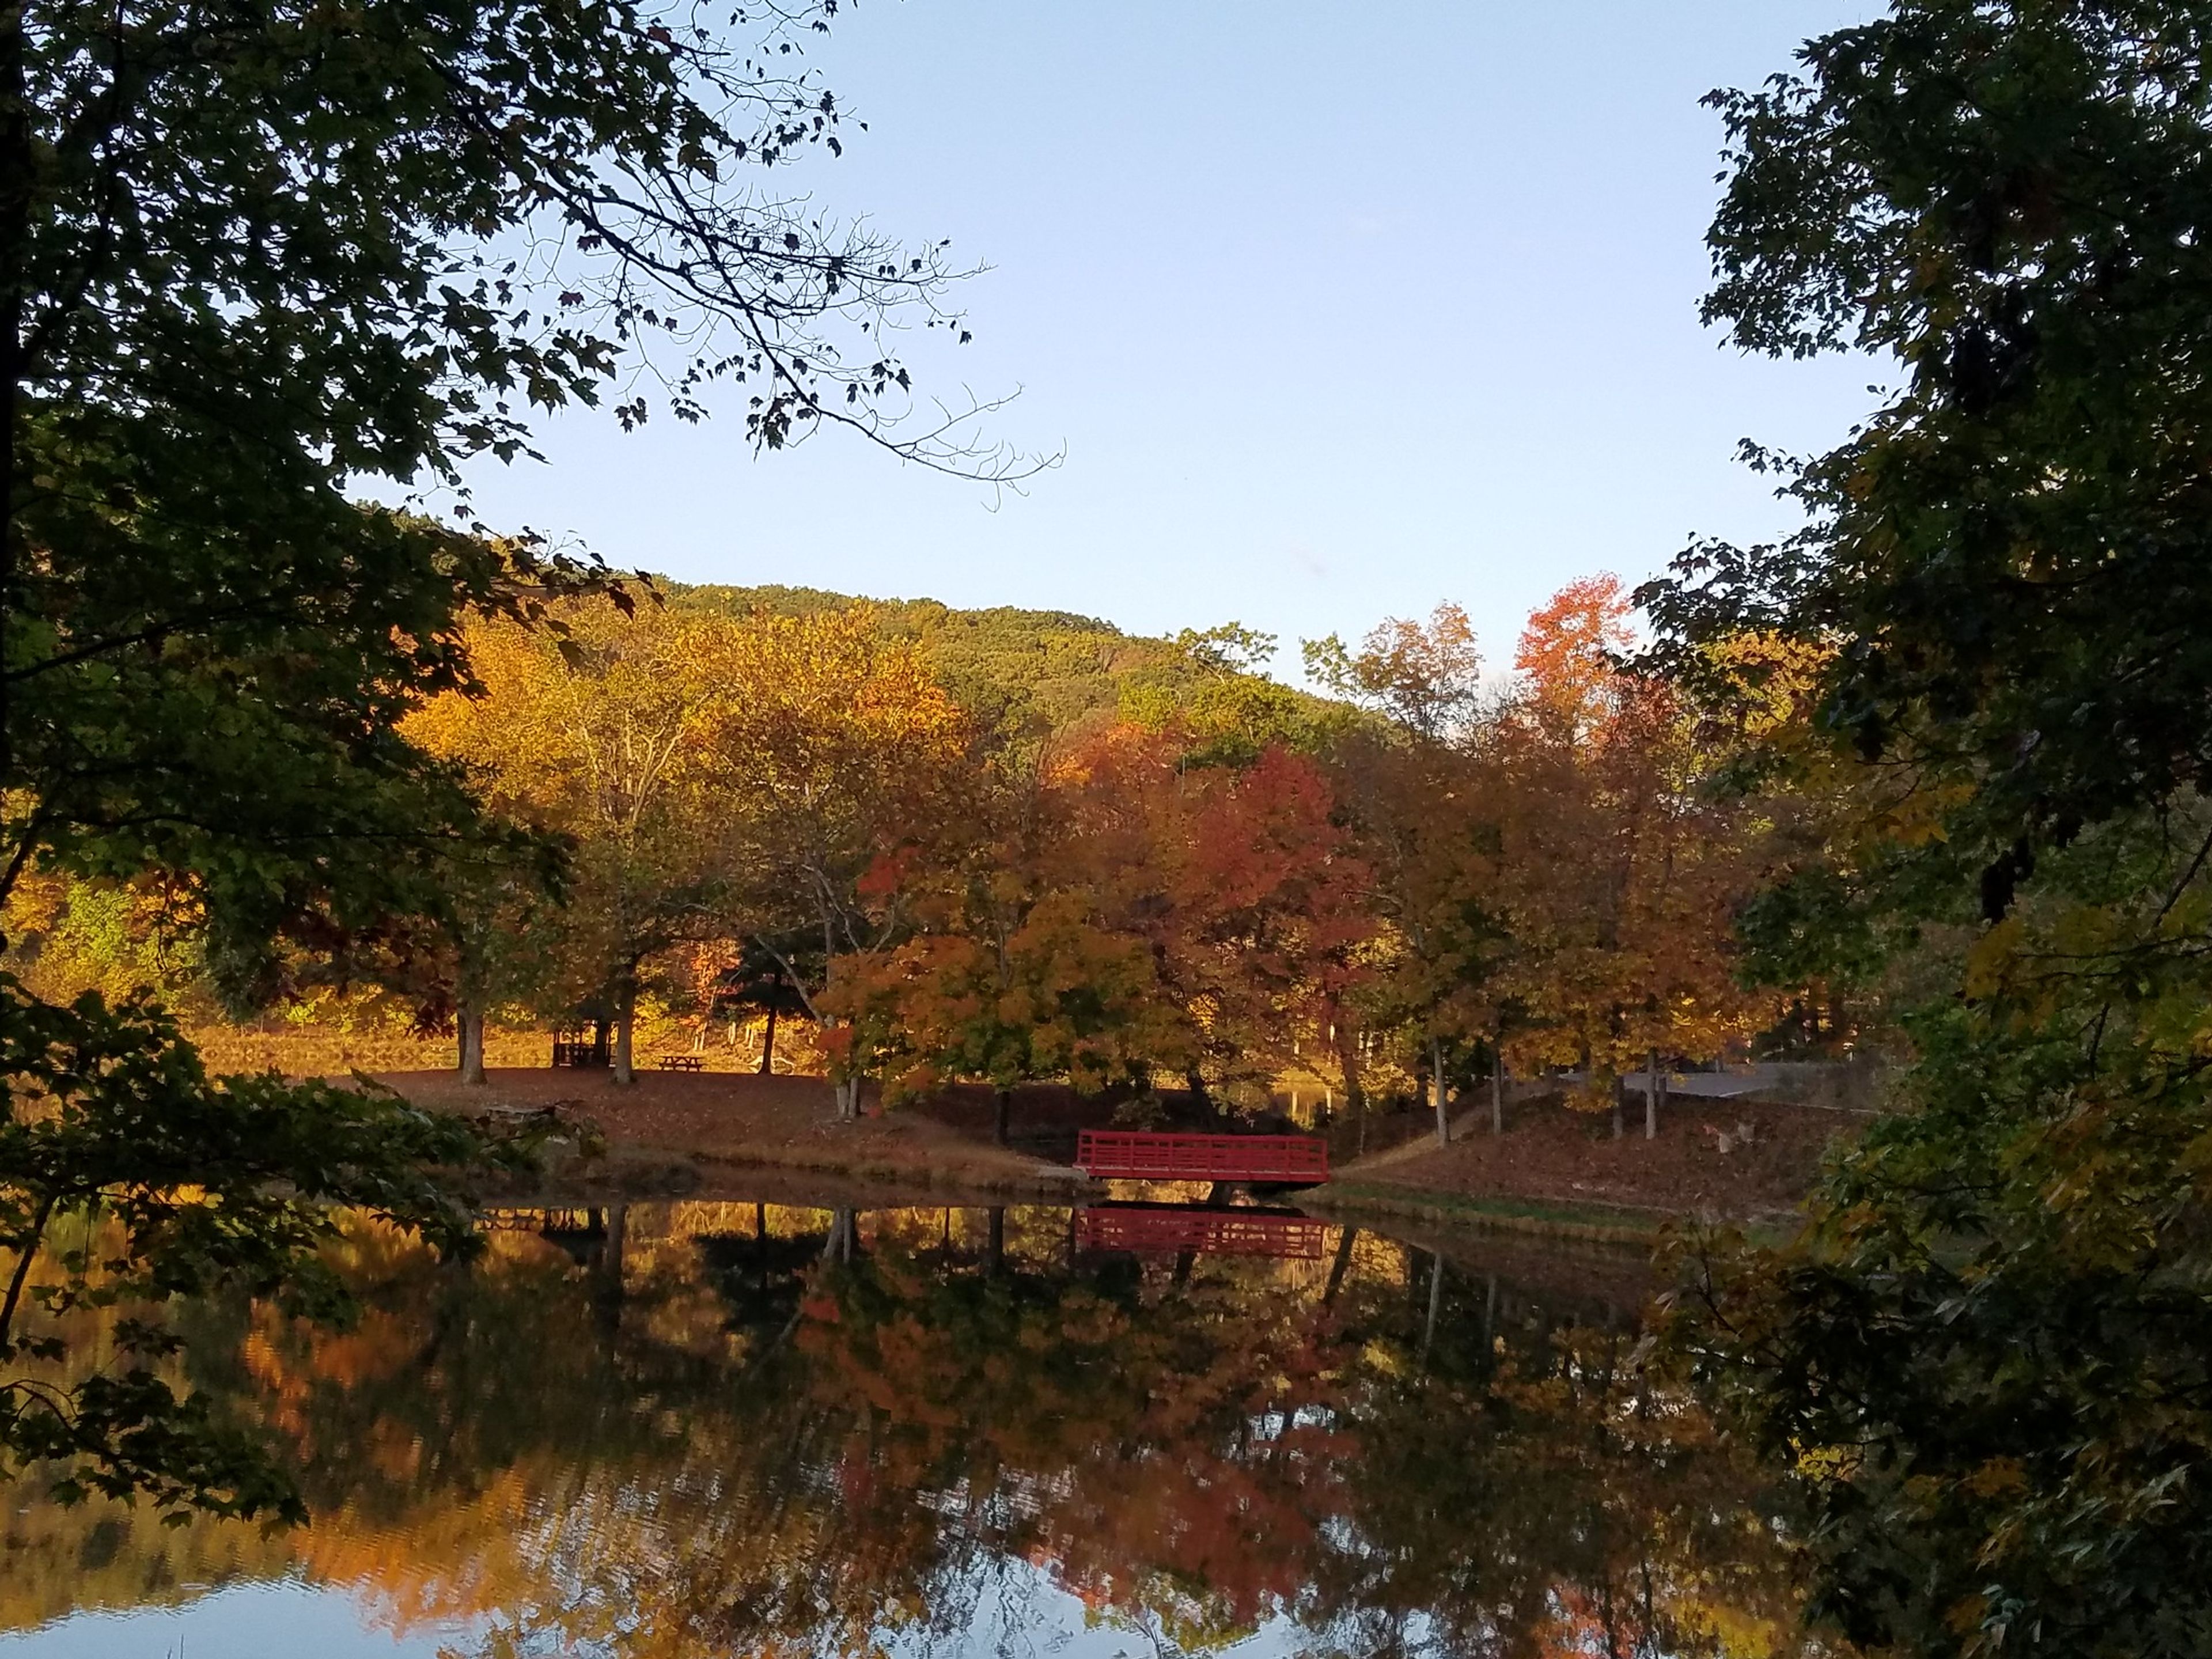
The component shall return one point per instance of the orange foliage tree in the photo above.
(1252, 898)
(1017, 971)
(1120, 915)
(1622, 868)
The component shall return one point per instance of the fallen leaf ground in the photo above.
(741, 1119)
(1551, 1155)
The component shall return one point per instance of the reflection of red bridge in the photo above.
(1171, 1228)
(1133, 1154)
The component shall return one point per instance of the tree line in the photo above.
(1205, 881)
(1198, 879)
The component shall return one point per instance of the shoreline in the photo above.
(1551, 1174)
(1589, 1223)
(830, 1184)
(636, 1174)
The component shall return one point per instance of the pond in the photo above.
(699, 1429)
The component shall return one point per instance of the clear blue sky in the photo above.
(1337, 311)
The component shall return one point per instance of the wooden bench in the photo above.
(683, 1063)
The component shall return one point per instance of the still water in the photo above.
(680, 1429)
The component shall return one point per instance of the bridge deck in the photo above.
(1139, 1154)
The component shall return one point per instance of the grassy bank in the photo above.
(675, 1134)
(1592, 1224)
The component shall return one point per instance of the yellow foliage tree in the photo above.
(600, 730)
(834, 758)
(1413, 785)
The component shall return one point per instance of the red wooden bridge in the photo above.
(1137, 1154)
(1172, 1229)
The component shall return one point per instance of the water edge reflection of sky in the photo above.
(280, 1620)
(1030, 1614)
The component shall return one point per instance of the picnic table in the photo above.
(683, 1063)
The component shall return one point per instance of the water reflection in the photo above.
(703, 1429)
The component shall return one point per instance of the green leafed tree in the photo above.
(1986, 1359)
(258, 267)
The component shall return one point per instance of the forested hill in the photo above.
(1056, 669)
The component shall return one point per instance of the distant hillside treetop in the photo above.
(1053, 671)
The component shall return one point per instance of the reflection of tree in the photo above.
(800, 1431)
(1523, 1494)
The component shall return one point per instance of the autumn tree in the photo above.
(599, 733)
(1422, 805)
(1621, 870)
(1251, 896)
(833, 757)
(1022, 967)
(1006, 1001)
(1423, 677)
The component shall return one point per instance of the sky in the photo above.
(1332, 312)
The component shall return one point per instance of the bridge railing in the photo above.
(1170, 1230)
(1145, 1155)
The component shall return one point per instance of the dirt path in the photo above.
(1736, 1160)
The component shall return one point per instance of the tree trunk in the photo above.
(1355, 1092)
(768, 1045)
(1194, 1080)
(1498, 1092)
(1652, 1095)
(471, 1023)
(610, 1284)
(1436, 1303)
(994, 1252)
(1437, 1084)
(625, 1024)
(1337, 1268)
(1006, 1108)
(1620, 1107)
